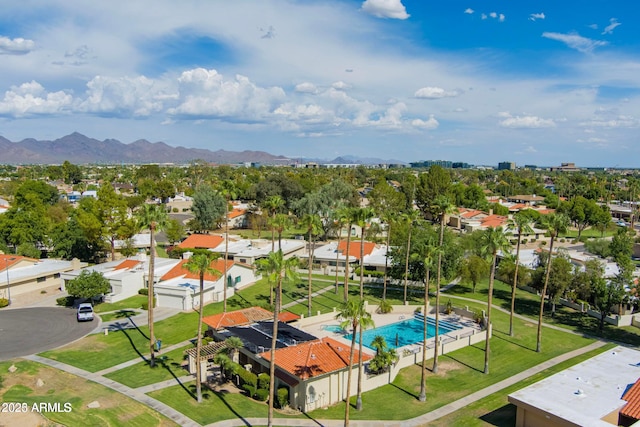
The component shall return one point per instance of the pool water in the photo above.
(404, 333)
(332, 328)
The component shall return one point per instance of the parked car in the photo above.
(85, 312)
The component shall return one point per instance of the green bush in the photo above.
(251, 389)
(262, 395)
(524, 241)
(385, 307)
(543, 243)
(175, 210)
(4, 302)
(283, 397)
(145, 305)
(65, 301)
(247, 377)
(143, 291)
(263, 381)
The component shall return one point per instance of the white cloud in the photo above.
(206, 93)
(621, 121)
(18, 46)
(612, 26)
(484, 16)
(525, 122)
(493, 15)
(502, 17)
(31, 99)
(575, 41)
(535, 16)
(593, 26)
(468, 11)
(125, 96)
(306, 88)
(340, 85)
(430, 123)
(385, 9)
(430, 92)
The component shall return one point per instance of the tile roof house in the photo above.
(630, 413)
(201, 241)
(179, 288)
(245, 316)
(315, 371)
(374, 255)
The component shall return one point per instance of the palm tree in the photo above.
(522, 223)
(154, 218)
(229, 193)
(352, 313)
(443, 206)
(409, 218)
(387, 218)
(492, 240)
(201, 264)
(277, 269)
(361, 217)
(340, 217)
(273, 204)
(555, 224)
(233, 346)
(430, 253)
(313, 225)
(279, 223)
(347, 214)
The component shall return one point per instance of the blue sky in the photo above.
(479, 81)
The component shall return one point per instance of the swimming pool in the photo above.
(404, 333)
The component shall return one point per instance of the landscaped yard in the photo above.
(133, 302)
(168, 366)
(60, 387)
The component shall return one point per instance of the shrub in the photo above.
(175, 210)
(145, 305)
(385, 307)
(262, 395)
(263, 381)
(251, 389)
(543, 243)
(65, 301)
(524, 241)
(43, 291)
(283, 397)
(143, 291)
(247, 377)
(4, 302)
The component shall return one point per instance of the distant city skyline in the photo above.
(478, 81)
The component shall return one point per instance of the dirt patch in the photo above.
(446, 366)
(26, 419)
(227, 387)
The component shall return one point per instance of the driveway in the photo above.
(25, 331)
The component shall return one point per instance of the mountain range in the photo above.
(80, 149)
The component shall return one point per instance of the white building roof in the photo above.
(258, 248)
(586, 392)
(39, 268)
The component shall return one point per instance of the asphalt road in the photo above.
(25, 331)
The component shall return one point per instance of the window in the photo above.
(56, 276)
(41, 279)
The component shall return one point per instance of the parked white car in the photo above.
(85, 312)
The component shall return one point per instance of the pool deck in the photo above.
(467, 325)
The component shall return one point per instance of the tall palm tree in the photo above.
(409, 218)
(522, 223)
(443, 206)
(155, 219)
(431, 251)
(555, 224)
(313, 224)
(340, 217)
(233, 346)
(279, 223)
(492, 240)
(201, 264)
(277, 269)
(273, 204)
(388, 219)
(229, 192)
(352, 313)
(361, 217)
(347, 213)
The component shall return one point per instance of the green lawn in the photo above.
(142, 374)
(60, 387)
(133, 302)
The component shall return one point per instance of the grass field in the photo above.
(60, 387)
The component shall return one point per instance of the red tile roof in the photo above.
(7, 261)
(494, 221)
(245, 316)
(179, 270)
(354, 248)
(127, 264)
(315, 358)
(236, 213)
(201, 241)
(632, 396)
